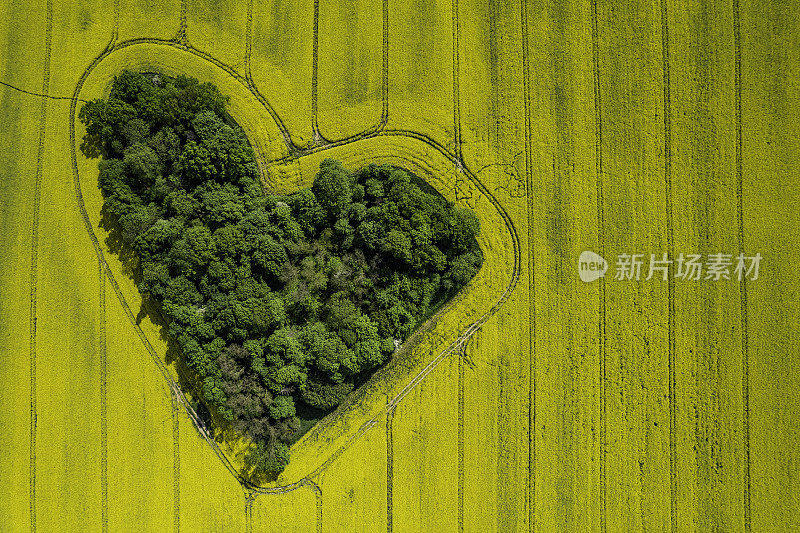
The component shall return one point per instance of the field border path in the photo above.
(294, 153)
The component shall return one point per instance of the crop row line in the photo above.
(103, 402)
(456, 91)
(115, 28)
(181, 37)
(530, 495)
(34, 268)
(598, 128)
(315, 76)
(249, 497)
(737, 40)
(389, 469)
(317, 502)
(176, 464)
(493, 133)
(248, 43)
(385, 67)
(673, 411)
(460, 439)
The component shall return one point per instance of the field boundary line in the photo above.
(671, 389)
(598, 123)
(34, 265)
(530, 495)
(737, 43)
(457, 160)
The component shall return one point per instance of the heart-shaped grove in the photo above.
(280, 304)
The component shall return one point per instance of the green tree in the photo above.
(282, 407)
(332, 188)
(324, 395)
(264, 458)
(398, 245)
(275, 301)
(141, 166)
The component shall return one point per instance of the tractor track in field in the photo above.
(176, 463)
(294, 153)
(115, 27)
(385, 67)
(321, 140)
(40, 95)
(248, 43)
(598, 155)
(248, 511)
(673, 411)
(317, 503)
(456, 93)
(493, 133)
(181, 36)
(459, 344)
(34, 259)
(314, 76)
(737, 42)
(251, 493)
(530, 494)
(390, 469)
(460, 439)
(103, 403)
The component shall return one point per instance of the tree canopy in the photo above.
(276, 301)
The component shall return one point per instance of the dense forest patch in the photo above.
(278, 302)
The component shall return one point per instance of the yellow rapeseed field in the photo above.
(533, 401)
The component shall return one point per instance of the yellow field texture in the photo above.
(532, 402)
(350, 80)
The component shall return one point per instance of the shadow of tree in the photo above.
(96, 143)
(222, 431)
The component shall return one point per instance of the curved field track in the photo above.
(533, 401)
